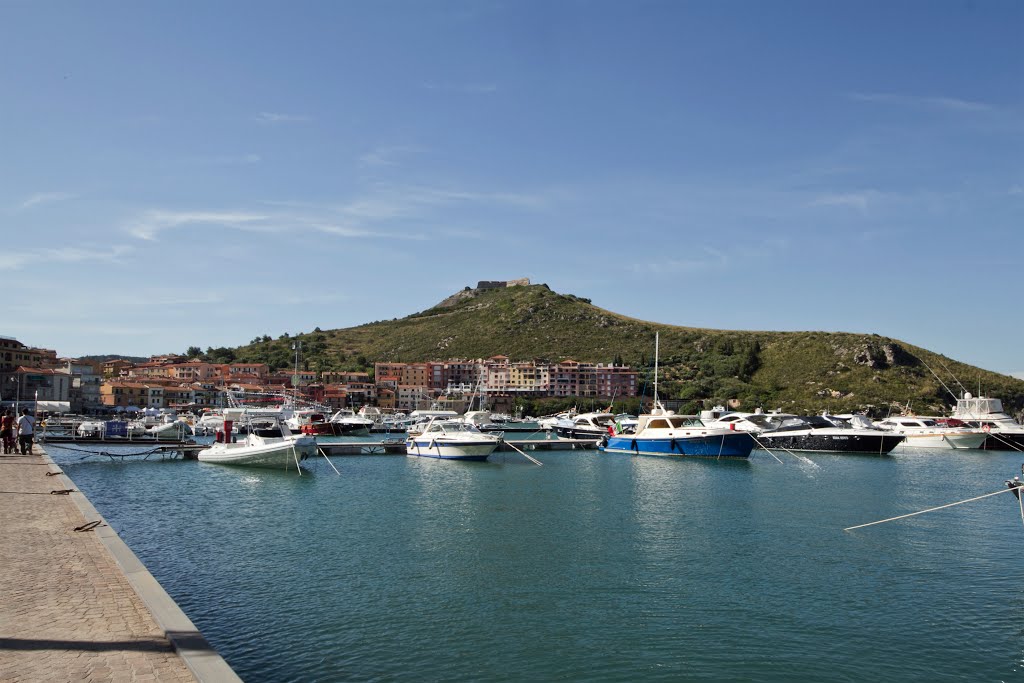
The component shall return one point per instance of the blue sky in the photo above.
(192, 173)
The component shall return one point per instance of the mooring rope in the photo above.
(766, 449)
(1008, 443)
(921, 512)
(109, 454)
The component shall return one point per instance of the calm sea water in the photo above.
(592, 567)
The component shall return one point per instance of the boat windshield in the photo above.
(450, 427)
(763, 421)
(685, 421)
(808, 422)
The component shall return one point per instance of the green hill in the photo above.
(797, 371)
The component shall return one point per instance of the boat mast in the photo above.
(295, 378)
(656, 402)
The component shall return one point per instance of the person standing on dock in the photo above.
(7, 431)
(26, 430)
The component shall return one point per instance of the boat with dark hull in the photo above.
(592, 426)
(819, 434)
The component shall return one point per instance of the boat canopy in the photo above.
(978, 406)
(54, 406)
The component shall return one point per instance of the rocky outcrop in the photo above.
(881, 356)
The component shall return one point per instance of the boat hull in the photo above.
(945, 441)
(170, 432)
(438, 449)
(999, 441)
(732, 445)
(281, 455)
(580, 433)
(346, 429)
(874, 444)
(508, 427)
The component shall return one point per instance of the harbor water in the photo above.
(593, 567)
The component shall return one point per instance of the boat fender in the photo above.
(635, 447)
(677, 447)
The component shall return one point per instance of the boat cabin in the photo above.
(901, 423)
(668, 422)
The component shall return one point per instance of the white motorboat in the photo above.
(1004, 433)
(267, 443)
(549, 422)
(451, 440)
(922, 432)
(173, 430)
(499, 422)
(419, 419)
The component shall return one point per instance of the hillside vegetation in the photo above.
(796, 371)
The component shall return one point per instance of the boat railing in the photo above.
(87, 429)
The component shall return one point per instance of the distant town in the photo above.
(38, 378)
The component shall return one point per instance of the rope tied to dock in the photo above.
(110, 454)
(89, 526)
(62, 492)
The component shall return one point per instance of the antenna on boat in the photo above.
(295, 378)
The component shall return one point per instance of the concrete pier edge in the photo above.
(201, 659)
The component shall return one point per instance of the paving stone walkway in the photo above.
(67, 609)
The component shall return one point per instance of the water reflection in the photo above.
(597, 567)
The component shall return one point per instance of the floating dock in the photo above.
(78, 604)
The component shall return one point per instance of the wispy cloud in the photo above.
(46, 198)
(467, 88)
(940, 103)
(705, 258)
(854, 200)
(389, 155)
(152, 223)
(392, 212)
(272, 117)
(14, 260)
(1016, 190)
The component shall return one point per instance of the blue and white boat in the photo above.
(664, 433)
(451, 440)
